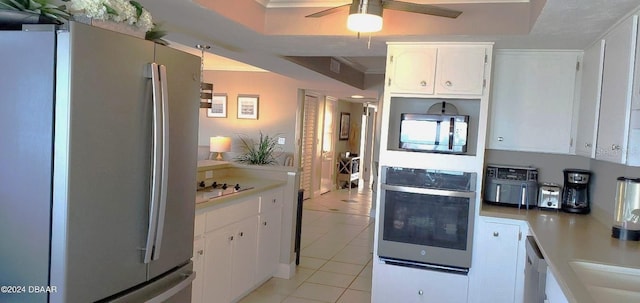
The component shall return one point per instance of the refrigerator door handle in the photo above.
(156, 166)
(164, 165)
(174, 290)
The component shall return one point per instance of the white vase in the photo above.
(112, 26)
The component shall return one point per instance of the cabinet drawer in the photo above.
(233, 213)
(271, 200)
(198, 228)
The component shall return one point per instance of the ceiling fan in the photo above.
(366, 16)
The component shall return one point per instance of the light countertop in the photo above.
(564, 237)
(259, 185)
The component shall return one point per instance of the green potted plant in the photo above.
(262, 152)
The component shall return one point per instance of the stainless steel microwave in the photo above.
(434, 133)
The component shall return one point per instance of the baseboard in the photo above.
(286, 271)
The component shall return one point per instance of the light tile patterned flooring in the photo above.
(337, 245)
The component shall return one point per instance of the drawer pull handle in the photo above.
(423, 83)
(495, 233)
(201, 252)
(230, 238)
(448, 83)
(241, 234)
(274, 201)
(264, 223)
(420, 292)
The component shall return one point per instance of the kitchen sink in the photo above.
(608, 283)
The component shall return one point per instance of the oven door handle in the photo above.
(429, 191)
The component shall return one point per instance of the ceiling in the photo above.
(257, 34)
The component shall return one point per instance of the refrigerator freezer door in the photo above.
(26, 133)
(183, 87)
(102, 164)
(172, 287)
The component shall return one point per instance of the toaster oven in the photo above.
(511, 186)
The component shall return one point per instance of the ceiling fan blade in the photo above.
(327, 11)
(421, 9)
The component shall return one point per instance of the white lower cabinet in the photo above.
(393, 283)
(552, 290)
(269, 227)
(217, 266)
(237, 247)
(230, 262)
(497, 267)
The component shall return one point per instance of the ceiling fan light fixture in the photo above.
(364, 23)
(365, 16)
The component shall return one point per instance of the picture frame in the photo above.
(218, 106)
(345, 119)
(248, 106)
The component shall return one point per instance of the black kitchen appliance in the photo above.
(575, 195)
(427, 218)
(511, 186)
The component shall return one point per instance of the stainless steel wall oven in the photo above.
(427, 218)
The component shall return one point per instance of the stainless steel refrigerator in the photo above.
(98, 146)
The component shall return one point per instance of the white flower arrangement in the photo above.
(130, 12)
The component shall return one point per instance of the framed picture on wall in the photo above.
(344, 126)
(248, 107)
(218, 106)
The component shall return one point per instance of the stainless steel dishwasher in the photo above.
(535, 273)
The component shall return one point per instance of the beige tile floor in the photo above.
(336, 244)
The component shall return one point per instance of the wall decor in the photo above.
(248, 106)
(345, 119)
(218, 106)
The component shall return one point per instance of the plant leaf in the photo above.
(110, 10)
(138, 7)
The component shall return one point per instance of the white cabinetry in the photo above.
(532, 103)
(498, 258)
(230, 250)
(460, 70)
(590, 91)
(439, 70)
(237, 246)
(393, 283)
(617, 82)
(412, 69)
(269, 228)
(552, 289)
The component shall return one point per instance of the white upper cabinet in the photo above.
(532, 101)
(460, 70)
(617, 82)
(437, 70)
(590, 91)
(412, 69)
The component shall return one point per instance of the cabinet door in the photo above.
(198, 267)
(217, 266)
(552, 289)
(590, 91)
(619, 58)
(532, 103)
(416, 285)
(495, 259)
(269, 226)
(412, 69)
(460, 70)
(243, 267)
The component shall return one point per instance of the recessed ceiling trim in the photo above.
(328, 3)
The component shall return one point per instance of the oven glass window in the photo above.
(429, 220)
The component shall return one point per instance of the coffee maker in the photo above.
(575, 194)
